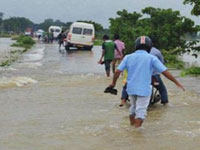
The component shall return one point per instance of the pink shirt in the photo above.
(120, 46)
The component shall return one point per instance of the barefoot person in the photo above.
(140, 66)
(108, 49)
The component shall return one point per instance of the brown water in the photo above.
(60, 105)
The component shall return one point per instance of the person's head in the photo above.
(105, 37)
(116, 37)
(143, 43)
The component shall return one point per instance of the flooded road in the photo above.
(55, 101)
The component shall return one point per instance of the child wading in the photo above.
(140, 66)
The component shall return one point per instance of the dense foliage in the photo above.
(50, 22)
(192, 71)
(165, 26)
(24, 41)
(17, 24)
(1, 17)
(20, 24)
(196, 6)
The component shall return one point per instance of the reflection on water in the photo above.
(67, 109)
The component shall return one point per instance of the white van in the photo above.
(80, 35)
(56, 31)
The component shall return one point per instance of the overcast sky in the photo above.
(96, 10)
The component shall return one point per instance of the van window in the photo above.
(77, 30)
(87, 32)
(57, 30)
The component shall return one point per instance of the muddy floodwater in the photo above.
(51, 100)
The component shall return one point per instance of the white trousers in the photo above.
(139, 105)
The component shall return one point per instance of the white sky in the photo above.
(96, 10)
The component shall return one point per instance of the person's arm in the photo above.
(102, 55)
(121, 67)
(168, 75)
(158, 66)
(115, 77)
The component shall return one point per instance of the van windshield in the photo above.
(57, 30)
(77, 30)
(87, 32)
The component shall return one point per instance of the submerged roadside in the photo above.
(14, 51)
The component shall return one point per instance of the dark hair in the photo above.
(116, 36)
(105, 37)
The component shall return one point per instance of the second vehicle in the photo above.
(80, 35)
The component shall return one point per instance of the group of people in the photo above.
(113, 52)
(139, 68)
(47, 37)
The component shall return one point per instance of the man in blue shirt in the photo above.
(140, 66)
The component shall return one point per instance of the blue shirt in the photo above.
(140, 66)
(154, 51)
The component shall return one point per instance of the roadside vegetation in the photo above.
(172, 61)
(191, 71)
(173, 34)
(98, 42)
(5, 35)
(24, 43)
(10, 57)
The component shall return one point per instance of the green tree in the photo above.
(196, 6)
(46, 24)
(165, 26)
(124, 26)
(17, 24)
(59, 23)
(1, 20)
(50, 22)
(1, 17)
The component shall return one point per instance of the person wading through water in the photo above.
(140, 66)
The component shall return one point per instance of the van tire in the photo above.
(89, 48)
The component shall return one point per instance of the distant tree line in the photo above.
(20, 24)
